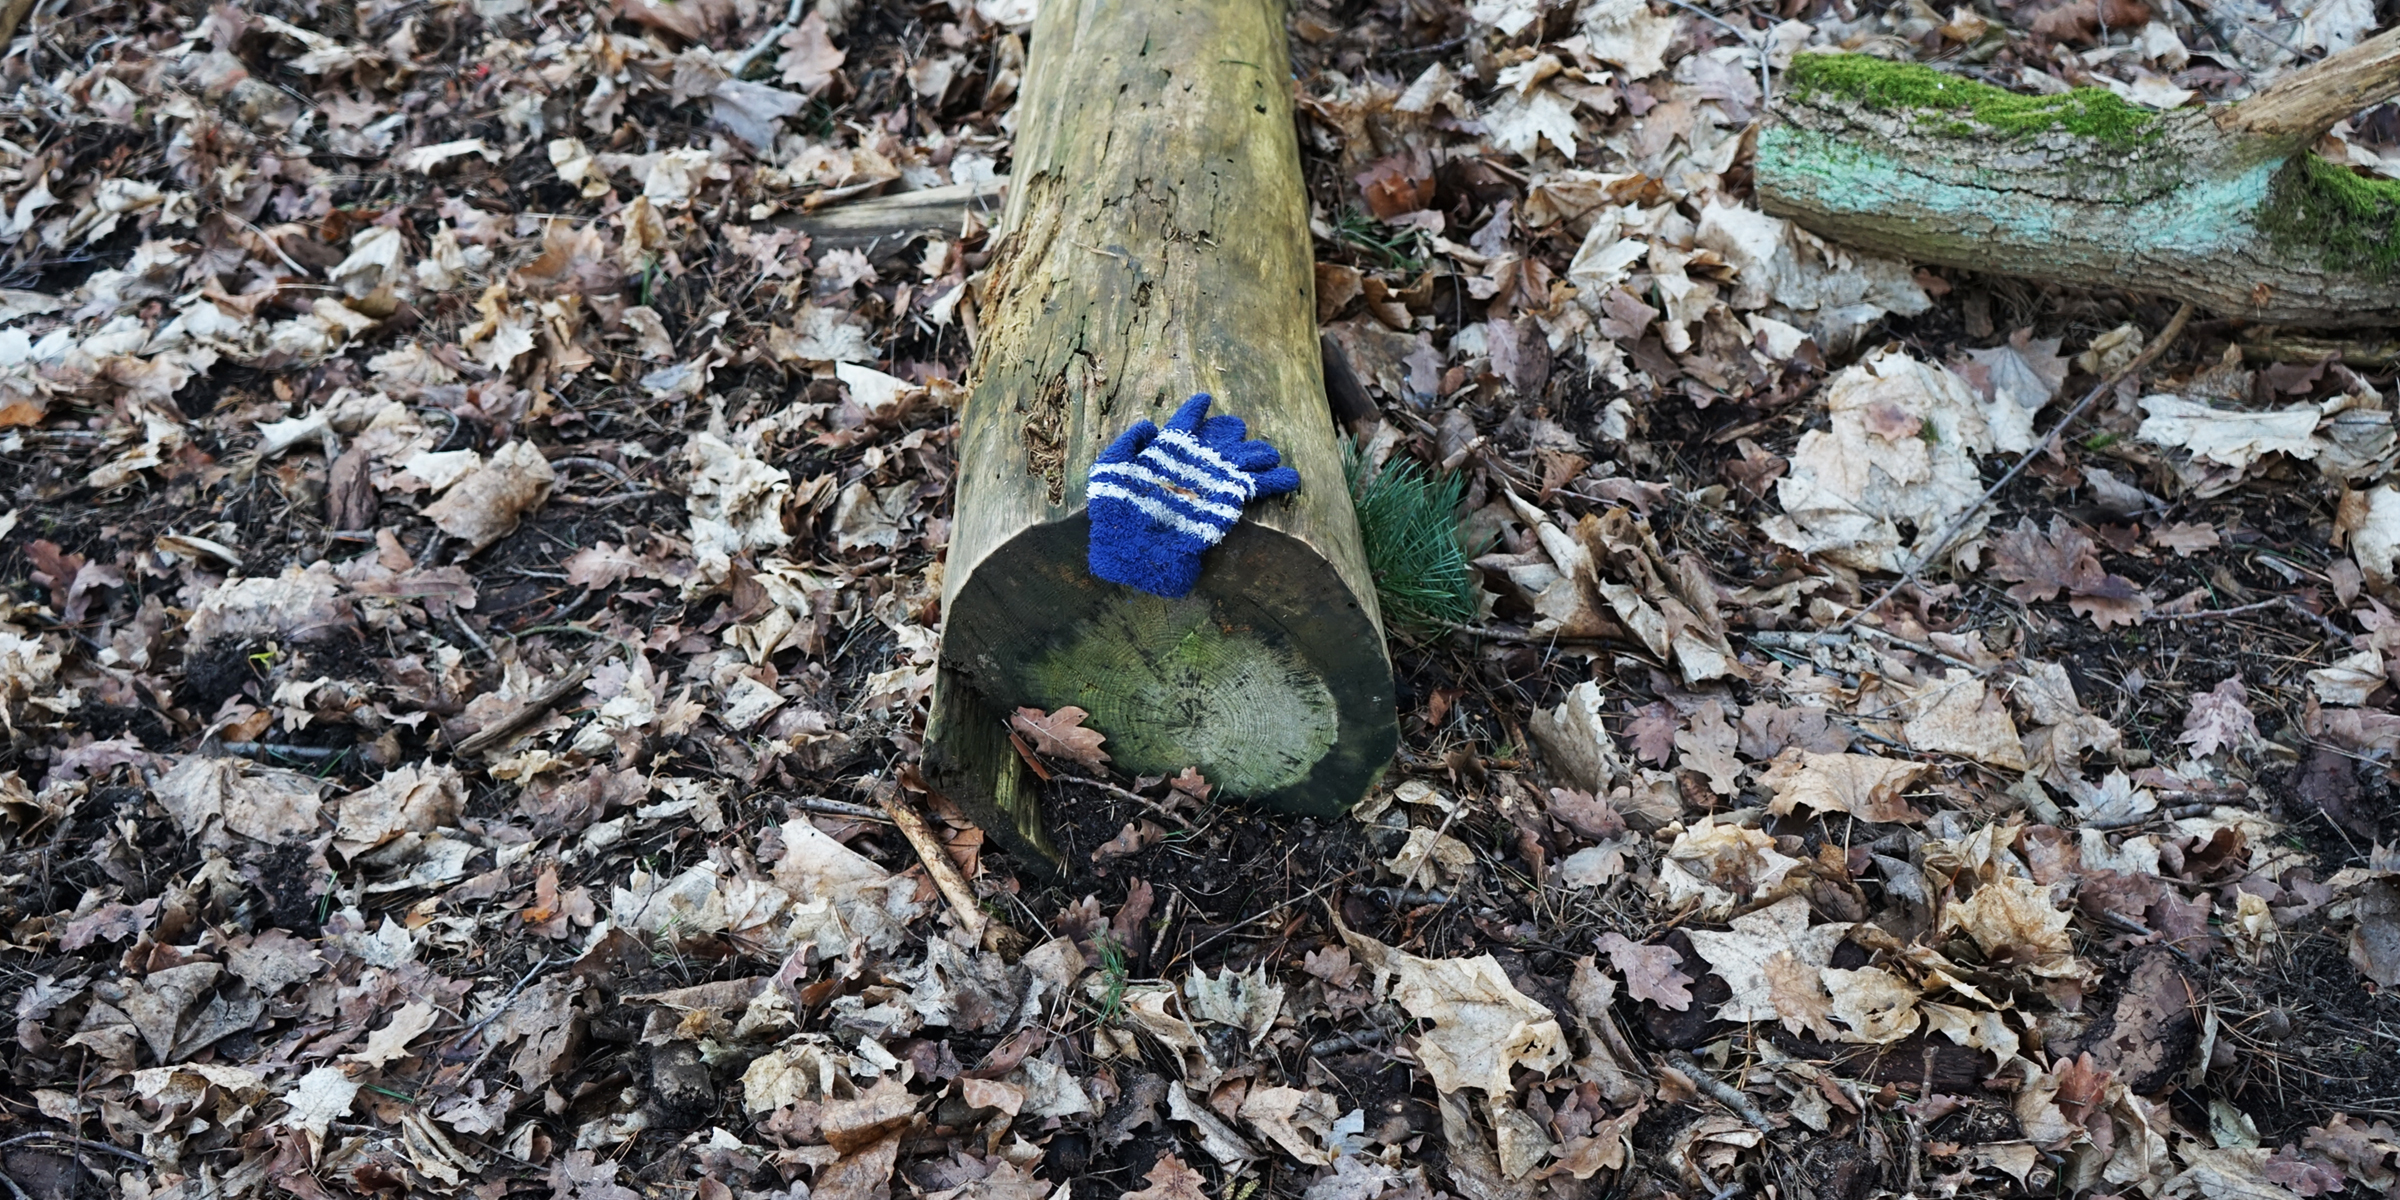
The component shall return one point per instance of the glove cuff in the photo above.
(1143, 564)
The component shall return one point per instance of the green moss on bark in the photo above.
(1963, 108)
(2350, 220)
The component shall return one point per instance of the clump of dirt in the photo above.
(215, 673)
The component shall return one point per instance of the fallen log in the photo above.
(1155, 244)
(2224, 207)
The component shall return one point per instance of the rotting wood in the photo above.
(2223, 207)
(947, 878)
(1155, 244)
(884, 226)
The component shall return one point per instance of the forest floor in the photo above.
(471, 569)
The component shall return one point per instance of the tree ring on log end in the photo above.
(1269, 677)
(1172, 690)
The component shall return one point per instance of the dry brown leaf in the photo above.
(1652, 733)
(1866, 786)
(2012, 916)
(211, 797)
(2063, 560)
(1652, 973)
(1797, 992)
(1739, 956)
(1959, 715)
(1878, 1006)
(1061, 734)
(2220, 719)
(487, 505)
(1707, 746)
(1171, 1180)
(1482, 1025)
(390, 1043)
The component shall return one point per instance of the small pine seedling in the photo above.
(1408, 518)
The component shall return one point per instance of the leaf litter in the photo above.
(380, 383)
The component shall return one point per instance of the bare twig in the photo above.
(947, 878)
(502, 1007)
(840, 808)
(767, 40)
(84, 1143)
(2206, 613)
(1125, 794)
(1719, 1091)
(1348, 1041)
(281, 750)
(2158, 345)
(500, 731)
(602, 465)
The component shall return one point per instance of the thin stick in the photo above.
(86, 1143)
(1719, 1091)
(839, 808)
(502, 1007)
(790, 22)
(1124, 794)
(499, 732)
(947, 878)
(2166, 337)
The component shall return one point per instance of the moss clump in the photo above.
(1408, 521)
(1972, 109)
(2352, 220)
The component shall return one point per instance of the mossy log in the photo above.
(1155, 244)
(2225, 206)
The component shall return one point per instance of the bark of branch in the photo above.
(2225, 209)
(2304, 104)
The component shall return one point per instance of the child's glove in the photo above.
(1157, 499)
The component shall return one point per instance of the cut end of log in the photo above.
(1270, 678)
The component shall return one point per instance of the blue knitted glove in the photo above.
(1157, 499)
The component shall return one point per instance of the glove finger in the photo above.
(1276, 482)
(1220, 433)
(1252, 456)
(1129, 444)
(1187, 418)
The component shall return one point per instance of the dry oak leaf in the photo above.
(486, 505)
(2185, 539)
(2042, 565)
(1797, 990)
(1482, 1025)
(1959, 715)
(1652, 733)
(1707, 746)
(1739, 956)
(390, 1043)
(1171, 1180)
(1061, 734)
(2220, 718)
(2012, 916)
(1719, 865)
(1878, 1006)
(1652, 973)
(1864, 785)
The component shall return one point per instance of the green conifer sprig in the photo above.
(1408, 517)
